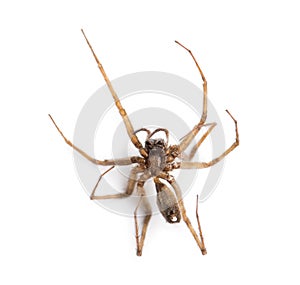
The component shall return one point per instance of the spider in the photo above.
(156, 160)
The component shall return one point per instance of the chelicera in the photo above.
(156, 159)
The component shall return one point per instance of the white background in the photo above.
(52, 234)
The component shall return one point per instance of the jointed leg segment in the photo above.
(189, 137)
(100, 177)
(199, 226)
(106, 162)
(118, 104)
(190, 165)
(195, 147)
(199, 241)
(161, 130)
(129, 189)
(146, 219)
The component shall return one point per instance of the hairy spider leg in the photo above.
(171, 180)
(129, 189)
(142, 130)
(120, 161)
(198, 221)
(198, 144)
(190, 136)
(134, 139)
(99, 179)
(145, 203)
(191, 165)
(160, 130)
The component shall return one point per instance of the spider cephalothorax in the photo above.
(156, 160)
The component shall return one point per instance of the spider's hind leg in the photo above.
(143, 201)
(199, 239)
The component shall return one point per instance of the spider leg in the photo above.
(129, 189)
(199, 240)
(197, 145)
(190, 136)
(198, 221)
(145, 203)
(120, 161)
(190, 165)
(122, 111)
(142, 130)
(160, 130)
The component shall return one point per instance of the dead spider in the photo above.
(157, 159)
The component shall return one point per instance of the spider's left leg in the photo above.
(129, 189)
(190, 136)
(199, 241)
(134, 139)
(148, 212)
(190, 165)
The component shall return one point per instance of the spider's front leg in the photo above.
(134, 139)
(190, 136)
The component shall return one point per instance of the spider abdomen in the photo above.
(167, 203)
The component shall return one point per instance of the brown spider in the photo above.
(157, 159)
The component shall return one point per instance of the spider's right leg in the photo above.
(120, 161)
(190, 136)
(198, 165)
(134, 139)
